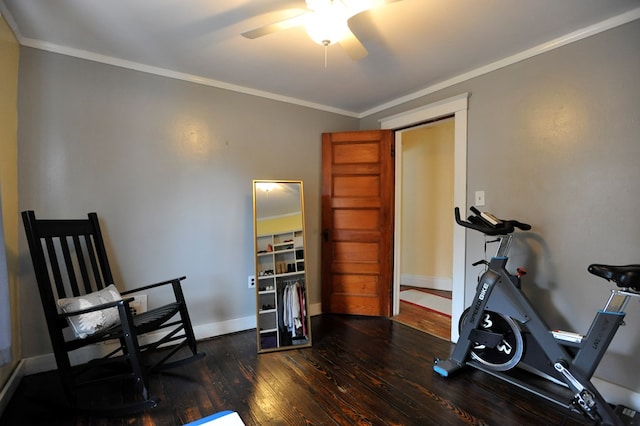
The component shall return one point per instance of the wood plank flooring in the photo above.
(422, 319)
(359, 371)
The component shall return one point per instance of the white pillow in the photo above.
(86, 324)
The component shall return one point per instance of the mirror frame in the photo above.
(269, 286)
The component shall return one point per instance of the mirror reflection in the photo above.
(281, 290)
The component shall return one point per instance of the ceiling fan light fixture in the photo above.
(266, 186)
(327, 24)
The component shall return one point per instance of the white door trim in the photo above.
(456, 106)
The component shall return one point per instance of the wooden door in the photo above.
(357, 222)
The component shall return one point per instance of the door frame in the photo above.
(456, 106)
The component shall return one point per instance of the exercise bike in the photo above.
(501, 334)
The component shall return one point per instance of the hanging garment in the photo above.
(303, 311)
(292, 312)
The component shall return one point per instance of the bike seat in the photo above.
(627, 276)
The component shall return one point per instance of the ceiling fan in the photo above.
(326, 22)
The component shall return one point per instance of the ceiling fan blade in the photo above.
(354, 48)
(275, 27)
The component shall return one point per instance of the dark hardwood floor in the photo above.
(359, 371)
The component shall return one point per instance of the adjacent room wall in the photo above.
(9, 53)
(554, 141)
(168, 165)
(427, 200)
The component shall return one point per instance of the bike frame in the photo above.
(570, 363)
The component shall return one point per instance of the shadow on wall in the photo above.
(532, 253)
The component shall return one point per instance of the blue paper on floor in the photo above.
(223, 418)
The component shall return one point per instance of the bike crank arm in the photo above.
(585, 400)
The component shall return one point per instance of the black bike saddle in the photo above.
(627, 276)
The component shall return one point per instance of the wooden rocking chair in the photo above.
(75, 284)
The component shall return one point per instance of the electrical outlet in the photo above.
(139, 304)
(251, 281)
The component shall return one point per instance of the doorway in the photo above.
(457, 108)
(426, 226)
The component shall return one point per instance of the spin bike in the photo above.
(501, 331)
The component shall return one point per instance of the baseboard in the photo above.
(315, 309)
(615, 394)
(206, 331)
(7, 391)
(436, 283)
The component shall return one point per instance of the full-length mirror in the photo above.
(281, 289)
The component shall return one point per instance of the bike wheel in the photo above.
(508, 352)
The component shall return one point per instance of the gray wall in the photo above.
(168, 166)
(555, 141)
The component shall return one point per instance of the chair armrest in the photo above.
(150, 286)
(96, 308)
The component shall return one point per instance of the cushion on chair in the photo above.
(86, 324)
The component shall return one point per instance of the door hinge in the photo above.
(393, 150)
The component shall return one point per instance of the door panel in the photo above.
(357, 222)
(362, 220)
(361, 153)
(356, 186)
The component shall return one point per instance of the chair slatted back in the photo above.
(69, 258)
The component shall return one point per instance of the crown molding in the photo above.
(109, 60)
(583, 33)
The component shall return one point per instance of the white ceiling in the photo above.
(413, 45)
(280, 199)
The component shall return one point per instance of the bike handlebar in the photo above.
(484, 224)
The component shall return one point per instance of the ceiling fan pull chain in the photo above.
(325, 56)
(325, 43)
